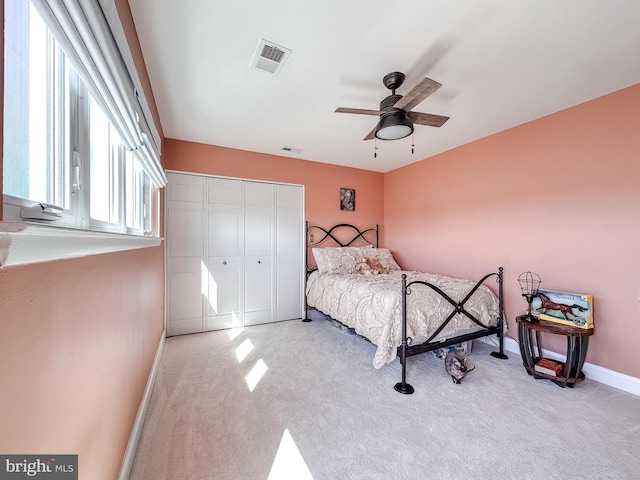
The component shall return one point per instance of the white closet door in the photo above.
(224, 258)
(259, 232)
(289, 248)
(185, 221)
(234, 253)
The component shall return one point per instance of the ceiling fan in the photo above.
(396, 118)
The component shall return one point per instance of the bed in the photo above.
(403, 313)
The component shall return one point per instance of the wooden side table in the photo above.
(531, 351)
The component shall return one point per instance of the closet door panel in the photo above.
(259, 194)
(224, 244)
(258, 218)
(258, 291)
(258, 266)
(258, 233)
(184, 302)
(289, 293)
(223, 305)
(185, 227)
(289, 248)
(289, 196)
(289, 234)
(225, 231)
(184, 188)
(225, 191)
(259, 247)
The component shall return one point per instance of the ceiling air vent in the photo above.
(292, 149)
(269, 57)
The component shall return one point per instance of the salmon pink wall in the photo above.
(78, 339)
(322, 181)
(77, 343)
(558, 196)
(1, 93)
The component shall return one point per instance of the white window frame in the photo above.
(76, 233)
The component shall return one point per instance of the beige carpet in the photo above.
(314, 407)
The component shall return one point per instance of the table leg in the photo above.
(538, 346)
(570, 367)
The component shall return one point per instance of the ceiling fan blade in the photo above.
(371, 135)
(428, 119)
(417, 94)
(357, 110)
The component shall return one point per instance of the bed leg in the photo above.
(403, 386)
(500, 354)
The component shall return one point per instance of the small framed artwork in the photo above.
(347, 199)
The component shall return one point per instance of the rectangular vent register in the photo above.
(269, 57)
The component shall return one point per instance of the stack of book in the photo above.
(549, 367)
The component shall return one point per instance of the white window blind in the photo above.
(81, 28)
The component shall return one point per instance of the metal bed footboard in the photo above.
(406, 349)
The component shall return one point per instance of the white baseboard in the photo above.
(136, 431)
(603, 375)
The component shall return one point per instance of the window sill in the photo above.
(22, 243)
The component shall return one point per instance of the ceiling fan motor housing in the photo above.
(389, 102)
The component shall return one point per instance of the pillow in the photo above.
(382, 257)
(340, 260)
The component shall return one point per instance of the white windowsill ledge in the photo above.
(22, 243)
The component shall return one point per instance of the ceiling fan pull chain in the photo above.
(412, 145)
(375, 147)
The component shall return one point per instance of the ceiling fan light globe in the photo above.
(394, 126)
(394, 132)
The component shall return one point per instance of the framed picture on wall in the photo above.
(347, 199)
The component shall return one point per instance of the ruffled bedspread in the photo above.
(372, 306)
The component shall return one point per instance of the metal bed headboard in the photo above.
(331, 237)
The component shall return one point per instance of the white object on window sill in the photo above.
(42, 211)
(23, 243)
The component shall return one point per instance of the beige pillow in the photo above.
(341, 260)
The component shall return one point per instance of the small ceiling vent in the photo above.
(292, 149)
(269, 57)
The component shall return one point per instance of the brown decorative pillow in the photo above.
(370, 266)
(376, 266)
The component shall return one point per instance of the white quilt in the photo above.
(371, 305)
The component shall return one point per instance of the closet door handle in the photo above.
(224, 262)
(259, 261)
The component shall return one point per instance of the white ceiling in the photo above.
(501, 63)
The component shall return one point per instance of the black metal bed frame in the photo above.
(406, 349)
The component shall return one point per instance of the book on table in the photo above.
(548, 367)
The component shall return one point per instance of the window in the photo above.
(37, 109)
(64, 144)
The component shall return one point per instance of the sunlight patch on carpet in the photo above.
(236, 327)
(256, 374)
(243, 349)
(289, 464)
